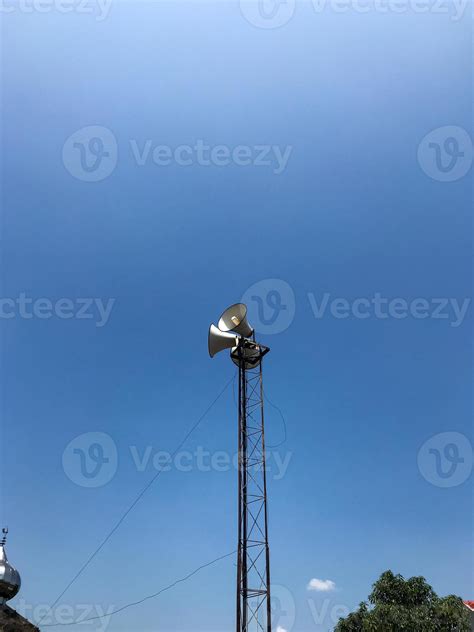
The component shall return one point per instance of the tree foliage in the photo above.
(406, 605)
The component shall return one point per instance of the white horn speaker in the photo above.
(219, 340)
(235, 319)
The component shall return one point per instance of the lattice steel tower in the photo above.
(253, 558)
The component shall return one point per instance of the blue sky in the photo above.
(352, 214)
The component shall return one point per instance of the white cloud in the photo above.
(280, 629)
(321, 585)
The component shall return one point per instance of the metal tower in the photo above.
(253, 558)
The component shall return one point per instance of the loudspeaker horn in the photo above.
(219, 340)
(235, 319)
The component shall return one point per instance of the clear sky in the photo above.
(165, 209)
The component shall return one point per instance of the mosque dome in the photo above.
(10, 580)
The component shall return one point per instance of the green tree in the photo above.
(406, 605)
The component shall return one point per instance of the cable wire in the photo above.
(277, 445)
(140, 601)
(137, 499)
